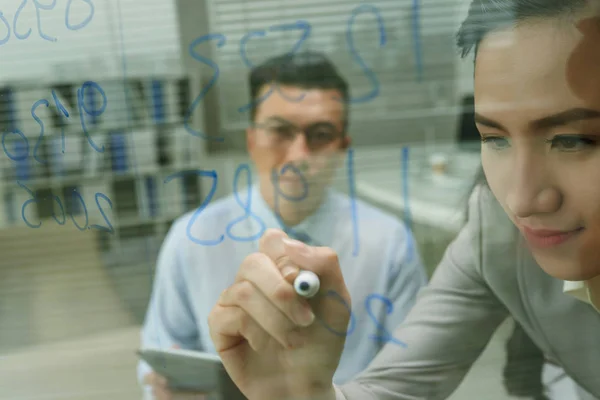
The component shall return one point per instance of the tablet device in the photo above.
(192, 371)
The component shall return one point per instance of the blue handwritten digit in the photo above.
(38, 7)
(206, 61)
(62, 210)
(298, 25)
(244, 55)
(278, 192)
(205, 174)
(417, 40)
(17, 15)
(82, 24)
(247, 207)
(28, 202)
(110, 228)
(41, 124)
(64, 112)
(76, 194)
(352, 323)
(93, 112)
(6, 38)
(406, 196)
(296, 170)
(385, 336)
(353, 210)
(350, 39)
(16, 157)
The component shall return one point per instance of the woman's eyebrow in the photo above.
(564, 118)
(490, 123)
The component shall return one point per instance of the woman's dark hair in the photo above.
(306, 70)
(488, 15)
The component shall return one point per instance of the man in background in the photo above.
(297, 140)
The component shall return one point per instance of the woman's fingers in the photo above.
(262, 273)
(230, 323)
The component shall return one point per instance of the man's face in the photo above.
(297, 143)
(537, 101)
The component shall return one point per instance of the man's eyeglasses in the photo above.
(318, 136)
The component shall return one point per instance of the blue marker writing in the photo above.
(221, 39)
(350, 40)
(86, 20)
(352, 190)
(246, 207)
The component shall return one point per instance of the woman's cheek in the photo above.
(589, 254)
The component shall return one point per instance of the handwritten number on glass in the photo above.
(13, 156)
(16, 17)
(303, 26)
(83, 23)
(110, 228)
(205, 174)
(365, 8)
(26, 204)
(246, 207)
(77, 196)
(221, 39)
(41, 124)
(384, 336)
(352, 323)
(92, 112)
(38, 7)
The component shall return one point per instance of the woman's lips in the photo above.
(545, 238)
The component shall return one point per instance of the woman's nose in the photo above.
(531, 192)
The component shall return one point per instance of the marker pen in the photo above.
(307, 284)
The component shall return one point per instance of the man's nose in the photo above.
(531, 191)
(298, 148)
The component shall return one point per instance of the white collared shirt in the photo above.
(582, 291)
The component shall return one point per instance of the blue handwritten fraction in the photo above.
(84, 109)
(39, 7)
(303, 26)
(221, 40)
(246, 207)
(365, 8)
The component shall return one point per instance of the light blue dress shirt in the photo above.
(380, 262)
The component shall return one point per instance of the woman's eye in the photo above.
(496, 142)
(571, 142)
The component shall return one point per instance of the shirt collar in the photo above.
(319, 226)
(586, 291)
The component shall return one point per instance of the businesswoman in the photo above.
(530, 248)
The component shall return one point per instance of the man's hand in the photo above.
(161, 390)
(275, 344)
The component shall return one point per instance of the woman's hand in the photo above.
(270, 342)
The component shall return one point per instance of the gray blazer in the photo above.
(486, 274)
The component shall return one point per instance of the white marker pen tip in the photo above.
(307, 284)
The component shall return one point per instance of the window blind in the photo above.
(413, 66)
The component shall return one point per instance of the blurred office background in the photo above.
(81, 227)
